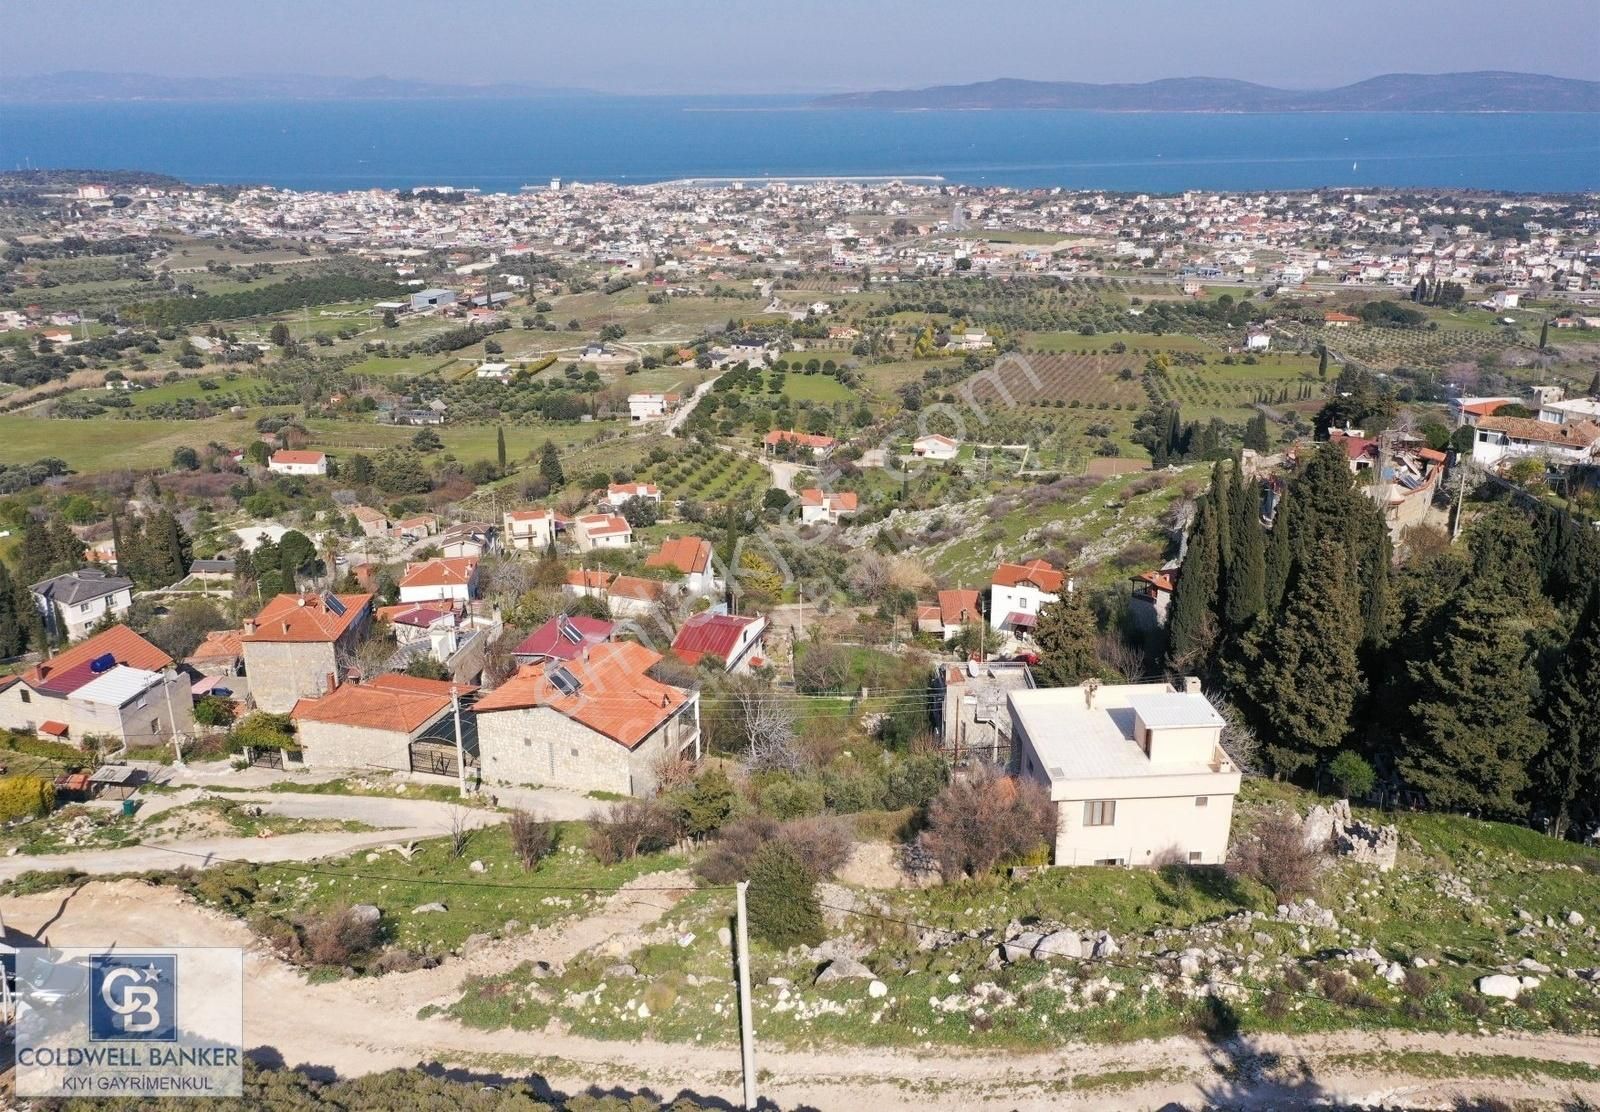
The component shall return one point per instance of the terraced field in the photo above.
(709, 475)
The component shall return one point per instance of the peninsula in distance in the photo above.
(1486, 91)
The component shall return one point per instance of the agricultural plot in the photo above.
(1138, 343)
(1103, 381)
(1393, 347)
(709, 475)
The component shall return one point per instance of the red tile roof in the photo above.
(53, 728)
(804, 439)
(287, 455)
(1573, 434)
(306, 618)
(70, 669)
(616, 698)
(1036, 572)
(603, 525)
(442, 571)
(840, 502)
(416, 613)
(690, 555)
(221, 644)
(958, 606)
(589, 579)
(635, 587)
(402, 704)
(548, 640)
(719, 635)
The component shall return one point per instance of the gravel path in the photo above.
(364, 1026)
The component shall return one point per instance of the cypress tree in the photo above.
(500, 447)
(1568, 772)
(1244, 581)
(1322, 360)
(550, 466)
(1544, 334)
(28, 617)
(1279, 552)
(13, 637)
(1309, 679)
(1474, 731)
(1066, 633)
(1193, 626)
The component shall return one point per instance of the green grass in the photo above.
(1102, 341)
(1037, 1005)
(816, 388)
(477, 902)
(107, 444)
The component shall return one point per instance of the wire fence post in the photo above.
(747, 1031)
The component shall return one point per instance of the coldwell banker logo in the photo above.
(133, 997)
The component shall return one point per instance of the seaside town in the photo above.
(1154, 626)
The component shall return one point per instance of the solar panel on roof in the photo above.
(334, 604)
(102, 663)
(565, 681)
(570, 631)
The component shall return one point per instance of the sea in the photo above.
(502, 145)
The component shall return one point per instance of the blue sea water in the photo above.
(503, 144)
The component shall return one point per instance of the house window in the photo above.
(1194, 857)
(1108, 860)
(27, 696)
(83, 607)
(1201, 800)
(1100, 812)
(574, 750)
(155, 726)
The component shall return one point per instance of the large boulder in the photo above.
(1105, 946)
(1022, 946)
(844, 968)
(365, 913)
(1059, 944)
(1500, 984)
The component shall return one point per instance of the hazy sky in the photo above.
(802, 45)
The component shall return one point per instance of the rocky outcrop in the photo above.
(1333, 830)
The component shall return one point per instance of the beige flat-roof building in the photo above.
(1137, 771)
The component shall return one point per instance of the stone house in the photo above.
(303, 645)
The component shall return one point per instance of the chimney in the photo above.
(333, 682)
(1089, 689)
(1191, 685)
(249, 626)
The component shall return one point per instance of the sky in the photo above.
(786, 46)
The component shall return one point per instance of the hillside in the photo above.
(1487, 91)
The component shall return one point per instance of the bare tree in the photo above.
(772, 741)
(1239, 739)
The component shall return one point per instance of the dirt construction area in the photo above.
(357, 1026)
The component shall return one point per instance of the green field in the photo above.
(1101, 341)
(816, 388)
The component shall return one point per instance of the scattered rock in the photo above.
(365, 913)
(475, 867)
(621, 969)
(877, 990)
(429, 909)
(1574, 919)
(686, 940)
(1332, 829)
(1533, 966)
(474, 943)
(1022, 946)
(1105, 946)
(644, 1011)
(724, 936)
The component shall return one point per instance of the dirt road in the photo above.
(355, 1027)
(396, 820)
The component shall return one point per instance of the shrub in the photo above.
(789, 797)
(26, 796)
(705, 805)
(1353, 775)
(782, 899)
(531, 840)
(822, 845)
(336, 936)
(915, 781)
(985, 818)
(630, 828)
(847, 787)
(1275, 854)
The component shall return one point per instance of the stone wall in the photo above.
(282, 672)
(538, 746)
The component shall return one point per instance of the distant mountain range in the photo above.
(1489, 91)
(89, 85)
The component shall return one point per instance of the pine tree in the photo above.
(550, 466)
(1474, 731)
(1066, 633)
(1192, 626)
(28, 616)
(1567, 775)
(1308, 680)
(1244, 578)
(500, 447)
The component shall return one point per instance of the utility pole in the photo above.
(177, 746)
(747, 1030)
(461, 755)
